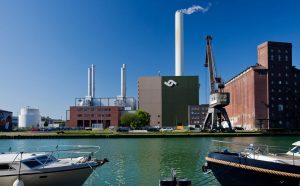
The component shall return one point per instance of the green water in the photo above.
(144, 161)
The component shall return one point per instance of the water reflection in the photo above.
(145, 161)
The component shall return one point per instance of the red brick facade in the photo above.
(248, 98)
(85, 116)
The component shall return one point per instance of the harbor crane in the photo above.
(218, 99)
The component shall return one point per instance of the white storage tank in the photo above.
(29, 117)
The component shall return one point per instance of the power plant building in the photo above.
(166, 98)
(266, 95)
(89, 111)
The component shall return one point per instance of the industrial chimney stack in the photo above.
(91, 81)
(179, 42)
(123, 81)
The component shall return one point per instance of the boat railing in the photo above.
(58, 151)
(251, 148)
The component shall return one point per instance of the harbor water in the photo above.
(143, 161)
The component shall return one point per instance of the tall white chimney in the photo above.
(123, 81)
(89, 82)
(179, 53)
(93, 81)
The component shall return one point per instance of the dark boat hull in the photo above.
(232, 169)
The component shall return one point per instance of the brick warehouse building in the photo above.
(266, 95)
(85, 116)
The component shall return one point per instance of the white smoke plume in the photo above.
(194, 8)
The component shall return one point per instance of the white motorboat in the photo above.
(65, 165)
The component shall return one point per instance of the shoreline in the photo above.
(66, 135)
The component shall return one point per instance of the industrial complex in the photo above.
(266, 95)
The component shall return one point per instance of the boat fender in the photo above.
(204, 167)
(18, 182)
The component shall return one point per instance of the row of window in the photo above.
(279, 51)
(279, 90)
(93, 115)
(286, 98)
(93, 109)
(281, 82)
(280, 107)
(286, 58)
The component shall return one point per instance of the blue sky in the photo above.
(46, 46)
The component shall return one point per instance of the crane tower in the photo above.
(218, 99)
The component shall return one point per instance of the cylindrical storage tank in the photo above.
(29, 117)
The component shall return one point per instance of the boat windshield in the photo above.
(295, 150)
(40, 160)
(31, 163)
(46, 159)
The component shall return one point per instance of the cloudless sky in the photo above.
(46, 46)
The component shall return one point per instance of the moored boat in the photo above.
(254, 165)
(65, 165)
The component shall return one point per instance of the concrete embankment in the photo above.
(93, 134)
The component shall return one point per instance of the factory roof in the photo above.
(248, 69)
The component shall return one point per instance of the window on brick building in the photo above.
(279, 82)
(280, 122)
(272, 50)
(272, 74)
(279, 51)
(287, 98)
(279, 98)
(279, 74)
(279, 57)
(280, 107)
(279, 90)
(272, 57)
(286, 58)
(286, 82)
(286, 51)
(286, 75)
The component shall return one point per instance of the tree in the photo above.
(127, 119)
(143, 117)
(136, 120)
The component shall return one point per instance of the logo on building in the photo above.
(170, 83)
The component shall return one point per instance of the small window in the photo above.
(286, 51)
(286, 58)
(272, 57)
(279, 51)
(286, 75)
(5, 167)
(279, 90)
(272, 50)
(280, 107)
(280, 122)
(279, 98)
(279, 82)
(279, 57)
(279, 74)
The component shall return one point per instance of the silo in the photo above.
(29, 117)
